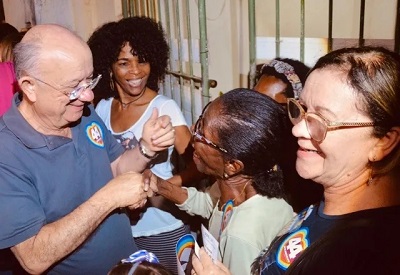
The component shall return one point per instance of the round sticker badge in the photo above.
(95, 134)
(227, 212)
(291, 247)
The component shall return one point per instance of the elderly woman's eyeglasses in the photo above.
(317, 125)
(77, 91)
(197, 137)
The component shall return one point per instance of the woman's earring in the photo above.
(111, 82)
(371, 177)
(225, 175)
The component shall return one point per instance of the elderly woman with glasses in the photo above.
(347, 122)
(239, 139)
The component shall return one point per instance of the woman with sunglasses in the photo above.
(239, 139)
(347, 122)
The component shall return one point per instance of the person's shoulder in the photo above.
(104, 103)
(378, 217)
(377, 225)
(10, 144)
(103, 107)
(363, 242)
(166, 104)
(160, 99)
(270, 205)
(261, 212)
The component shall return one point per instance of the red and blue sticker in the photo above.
(95, 134)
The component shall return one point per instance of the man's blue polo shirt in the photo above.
(43, 178)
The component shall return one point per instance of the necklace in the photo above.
(241, 193)
(125, 105)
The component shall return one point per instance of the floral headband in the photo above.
(138, 257)
(290, 74)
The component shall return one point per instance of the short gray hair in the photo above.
(27, 58)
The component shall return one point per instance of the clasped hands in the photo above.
(149, 189)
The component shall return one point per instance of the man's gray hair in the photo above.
(27, 58)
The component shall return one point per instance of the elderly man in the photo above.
(64, 180)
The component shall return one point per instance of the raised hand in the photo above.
(158, 133)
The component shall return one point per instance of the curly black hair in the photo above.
(148, 42)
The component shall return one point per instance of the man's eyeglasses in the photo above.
(197, 137)
(317, 125)
(76, 92)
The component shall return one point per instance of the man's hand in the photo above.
(57, 239)
(158, 133)
(127, 189)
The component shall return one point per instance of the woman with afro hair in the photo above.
(132, 55)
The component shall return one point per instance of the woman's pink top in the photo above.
(8, 85)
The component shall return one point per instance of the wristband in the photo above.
(143, 151)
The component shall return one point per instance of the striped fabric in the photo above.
(164, 246)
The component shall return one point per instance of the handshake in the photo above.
(150, 183)
(130, 189)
